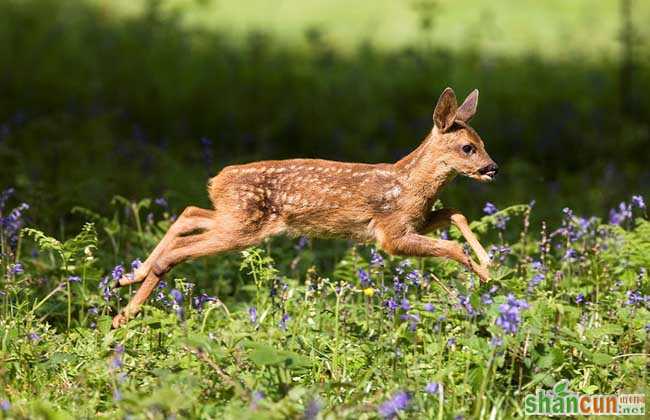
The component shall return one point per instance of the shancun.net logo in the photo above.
(561, 402)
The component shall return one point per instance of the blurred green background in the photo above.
(150, 98)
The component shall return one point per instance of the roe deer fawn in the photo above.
(387, 203)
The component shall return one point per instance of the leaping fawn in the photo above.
(385, 203)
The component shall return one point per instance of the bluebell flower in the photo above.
(570, 255)
(117, 394)
(510, 314)
(397, 403)
(414, 277)
(364, 278)
(162, 202)
(432, 388)
(74, 279)
(490, 208)
(256, 397)
(501, 222)
(200, 300)
(34, 337)
(313, 408)
(118, 272)
(116, 361)
(413, 320)
(283, 321)
(429, 307)
(451, 342)
(402, 266)
(391, 305)
(16, 269)
(104, 286)
(252, 314)
(405, 305)
(177, 295)
(620, 215)
(496, 341)
(303, 242)
(635, 298)
(376, 260)
(580, 299)
(465, 303)
(5, 405)
(638, 201)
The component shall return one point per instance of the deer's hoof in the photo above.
(119, 320)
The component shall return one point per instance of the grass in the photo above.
(552, 29)
(310, 330)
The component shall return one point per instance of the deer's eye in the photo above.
(468, 149)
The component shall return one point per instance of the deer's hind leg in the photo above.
(219, 239)
(191, 219)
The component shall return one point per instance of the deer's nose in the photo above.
(490, 170)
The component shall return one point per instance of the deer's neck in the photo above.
(426, 169)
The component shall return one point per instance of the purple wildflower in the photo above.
(391, 305)
(162, 202)
(118, 272)
(12, 223)
(490, 208)
(16, 269)
(465, 303)
(414, 277)
(496, 341)
(451, 342)
(429, 307)
(303, 242)
(432, 388)
(535, 281)
(34, 337)
(74, 279)
(635, 298)
(638, 201)
(570, 255)
(413, 320)
(200, 300)
(283, 321)
(624, 212)
(364, 278)
(116, 361)
(405, 305)
(252, 313)
(580, 299)
(510, 314)
(647, 328)
(398, 402)
(135, 264)
(177, 295)
(376, 260)
(313, 408)
(105, 287)
(501, 222)
(5, 405)
(402, 266)
(256, 397)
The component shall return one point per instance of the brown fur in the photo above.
(385, 203)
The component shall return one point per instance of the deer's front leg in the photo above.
(413, 244)
(444, 217)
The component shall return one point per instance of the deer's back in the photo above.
(308, 196)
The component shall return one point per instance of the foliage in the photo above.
(372, 336)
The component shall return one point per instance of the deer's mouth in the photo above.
(488, 172)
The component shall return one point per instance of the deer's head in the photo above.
(459, 145)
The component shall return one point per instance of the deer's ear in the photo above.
(467, 110)
(445, 112)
